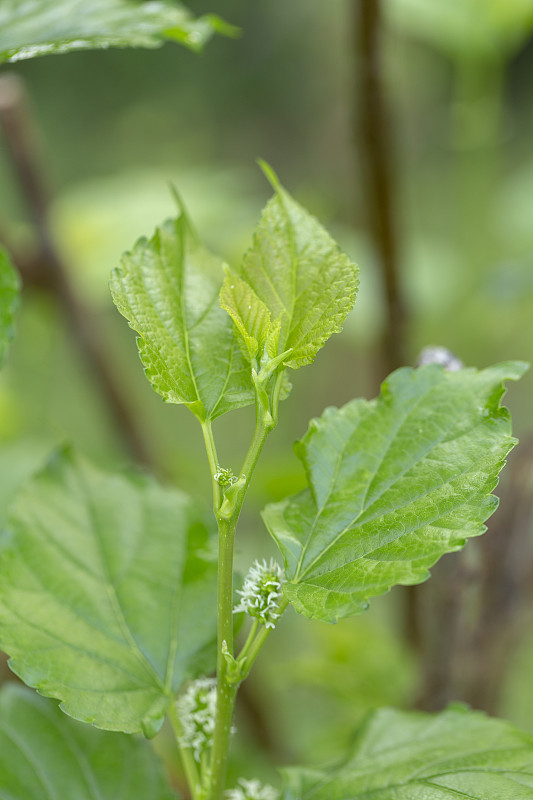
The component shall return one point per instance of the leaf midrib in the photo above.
(426, 781)
(28, 756)
(112, 592)
(76, 752)
(301, 574)
(367, 555)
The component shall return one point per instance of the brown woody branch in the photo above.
(46, 267)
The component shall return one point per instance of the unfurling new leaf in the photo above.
(394, 483)
(108, 593)
(295, 286)
(415, 756)
(168, 289)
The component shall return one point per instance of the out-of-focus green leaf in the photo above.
(108, 593)
(19, 460)
(415, 756)
(168, 290)
(44, 754)
(296, 281)
(466, 27)
(31, 28)
(9, 288)
(394, 484)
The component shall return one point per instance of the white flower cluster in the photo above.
(196, 710)
(261, 592)
(252, 790)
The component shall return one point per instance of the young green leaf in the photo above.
(108, 593)
(394, 484)
(415, 756)
(168, 289)
(298, 283)
(9, 288)
(39, 27)
(257, 335)
(44, 754)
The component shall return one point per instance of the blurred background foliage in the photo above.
(110, 130)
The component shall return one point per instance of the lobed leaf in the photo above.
(416, 756)
(297, 275)
(9, 290)
(44, 754)
(394, 483)
(168, 289)
(31, 28)
(108, 593)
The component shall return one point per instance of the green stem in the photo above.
(187, 758)
(255, 646)
(228, 515)
(213, 461)
(246, 646)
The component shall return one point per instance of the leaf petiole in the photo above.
(246, 659)
(246, 646)
(211, 451)
(187, 759)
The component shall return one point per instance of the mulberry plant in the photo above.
(117, 599)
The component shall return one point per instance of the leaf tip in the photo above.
(151, 726)
(269, 174)
(517, 369)
(176, 196)
(222, 27)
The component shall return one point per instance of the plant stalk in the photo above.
(228, 516)
(374, 148)
(187, 758)
(252, 649)
(213, 461)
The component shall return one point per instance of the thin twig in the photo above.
(19, 136)
(373, 144)
(375, 157)
(474, 618)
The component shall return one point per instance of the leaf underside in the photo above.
(44, 754)
(31, 28)
(168, 290)
(299, 285)
(415, 756)
(108, 593)
(394, 483)
(9, 289)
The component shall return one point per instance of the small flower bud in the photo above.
(261, 592)
(224, 476)
(252, 790)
